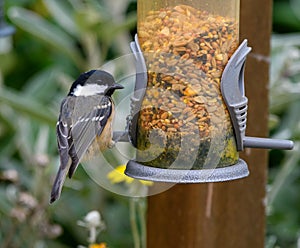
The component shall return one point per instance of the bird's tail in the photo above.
(58, 183)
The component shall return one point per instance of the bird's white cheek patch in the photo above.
(89, 89)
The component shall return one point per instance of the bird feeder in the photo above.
(189, 109)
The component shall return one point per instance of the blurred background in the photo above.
(54, 42)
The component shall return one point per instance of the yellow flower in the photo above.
(117, 176)
(101, 245)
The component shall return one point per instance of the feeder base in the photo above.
(139, 171)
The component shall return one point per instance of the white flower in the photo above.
(93, 222)
(93, 218)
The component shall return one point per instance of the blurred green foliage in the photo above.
(286, 15)
(283, 216)
(57, 40)
(283, 224)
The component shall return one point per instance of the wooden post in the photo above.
(229, 214)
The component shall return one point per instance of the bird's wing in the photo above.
(85, 130)
(63, 137)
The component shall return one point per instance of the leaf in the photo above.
(5, 207)
(289, 165)
(289, 123)
(43, 85)
(87, 19)
(284, 17)
(27, 106)
(286, 40)
(44, 30)
(295, 6)
(62, 15)
(109, 30)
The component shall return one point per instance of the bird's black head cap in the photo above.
(92, 77)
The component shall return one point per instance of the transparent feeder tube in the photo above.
(184, 123)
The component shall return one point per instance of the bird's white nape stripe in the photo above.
(89, 89)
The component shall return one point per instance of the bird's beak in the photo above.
(117, 86)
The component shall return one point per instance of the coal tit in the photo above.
(85, 123)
